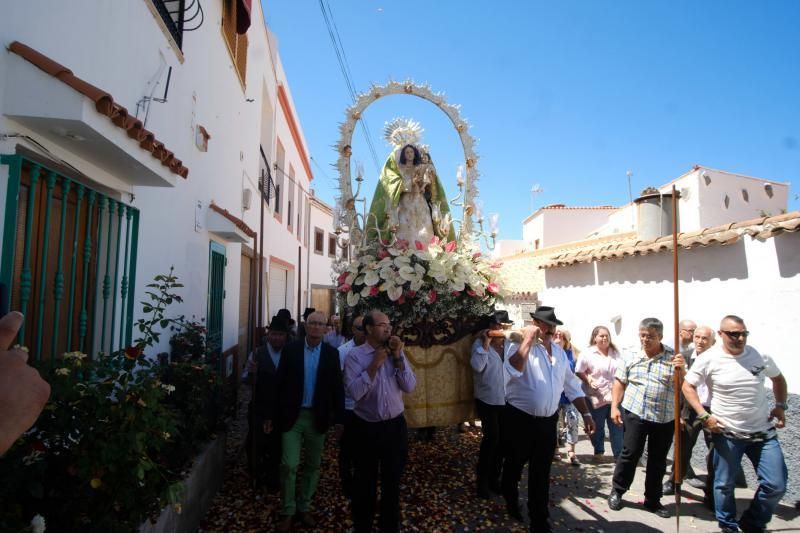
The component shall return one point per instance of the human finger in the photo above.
(9, 327)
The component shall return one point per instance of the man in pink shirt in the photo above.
(376, 375)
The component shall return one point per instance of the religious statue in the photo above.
(409, 200)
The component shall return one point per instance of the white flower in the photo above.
(365, 291)
(371, 278)
(394, 292)
(62, 371)
(353, 298)
(169, 388)
(408, 273)
(37, 524)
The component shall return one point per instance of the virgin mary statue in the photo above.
(409, 199)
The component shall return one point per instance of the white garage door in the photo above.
(279, 291)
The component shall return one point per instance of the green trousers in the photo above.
(302, 433)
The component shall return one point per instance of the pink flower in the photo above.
(470, 292)
(476, 255)
(344, 287)
(419, 245)
(374, 290)
(456, 293)
(384, 242)
(496, 265)
(401, 244)
(492, 288)
(450, 247)
(431, 296)
(401, 300)
(382, 253)
(342, 277)
(435, 240)
(411, 294)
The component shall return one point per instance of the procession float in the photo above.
(416, 256)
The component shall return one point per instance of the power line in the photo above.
(341, 58)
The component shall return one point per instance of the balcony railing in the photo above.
(69, 258)
(172, 13)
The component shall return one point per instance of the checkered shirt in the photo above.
(649, 390)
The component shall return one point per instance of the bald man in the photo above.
(742, 423)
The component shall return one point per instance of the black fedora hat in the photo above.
(307, 312)
(500, 317)
(278, 324)
(285, 314)
(547, 315)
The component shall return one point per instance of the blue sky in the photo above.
(568, 95)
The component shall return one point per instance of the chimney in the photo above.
(654, 214)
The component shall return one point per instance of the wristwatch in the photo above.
(703, 417)
(782, 405)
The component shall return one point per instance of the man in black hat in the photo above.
(301, 329)
(538, 373)
(489, 351)
(264, 366)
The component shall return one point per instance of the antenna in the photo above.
(536, 189)
(629, 173)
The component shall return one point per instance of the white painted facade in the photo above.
(556, 224)
(758, 280)
(321, 287)
(123, 48)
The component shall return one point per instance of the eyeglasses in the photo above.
(315, 323)
(736, 334)
(384, 325)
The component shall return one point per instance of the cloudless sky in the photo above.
(568, 95)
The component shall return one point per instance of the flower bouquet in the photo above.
(421, 281)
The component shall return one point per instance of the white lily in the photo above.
(371, 278)
(353, 298)
(395, 292)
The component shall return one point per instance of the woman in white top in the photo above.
(596, 368)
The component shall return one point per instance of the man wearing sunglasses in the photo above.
(742, 423)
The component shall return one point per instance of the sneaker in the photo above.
(284, 524)
(615, 501)
(306, 519)
(669, 488)
(657, 509)
(573, 459)
(748, 528)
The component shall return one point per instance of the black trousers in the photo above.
(265, 463)
(379, 447)
(692, 428)
(347, 454)
(490, 457)
(637, 432)
(531, 440)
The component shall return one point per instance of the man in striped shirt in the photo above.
(643, 385)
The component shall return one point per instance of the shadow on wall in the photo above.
(787, 248)
(697, 264)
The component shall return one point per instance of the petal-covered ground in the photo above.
(438, 494)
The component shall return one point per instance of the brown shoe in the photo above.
(306, 519)
(285, 523)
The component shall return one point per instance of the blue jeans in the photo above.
(770, 467)
(602, 417)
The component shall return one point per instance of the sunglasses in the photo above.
(735, 335)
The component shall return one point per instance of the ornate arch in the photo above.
(408, 87)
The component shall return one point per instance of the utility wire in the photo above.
(341, 58)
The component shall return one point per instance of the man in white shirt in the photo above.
(489, 352)
(742, 424)
(538, 373)
(346, 467)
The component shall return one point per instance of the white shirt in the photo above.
(489, 377)
(344, 349)
(702, 389)
(537, 389)
(738, 396)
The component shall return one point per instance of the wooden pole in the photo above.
(676, 375)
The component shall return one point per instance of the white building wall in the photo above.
(757, 280)
(504, 248)
(120, 48)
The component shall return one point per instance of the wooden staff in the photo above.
(676, 375)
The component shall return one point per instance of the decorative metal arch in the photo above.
(452, 111)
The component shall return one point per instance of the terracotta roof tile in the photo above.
(104, 103)
(238, 222)
(724, 234)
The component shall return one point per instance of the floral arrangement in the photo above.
(423, 281)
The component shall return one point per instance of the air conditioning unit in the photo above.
(247, 198)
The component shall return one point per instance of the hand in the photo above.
(252, 367)
(23, 392)
(779, 415)
(678, 361)
(713, 425)
(484, 336)
(588, 425)
(379, 357)
(395, 345)
(267, 426)
(531, 333)
(616, 416)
